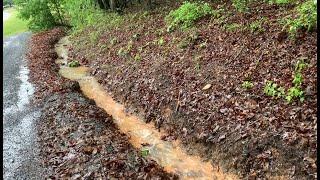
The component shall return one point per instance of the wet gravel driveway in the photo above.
(19, 135)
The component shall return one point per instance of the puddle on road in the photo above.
(169, 155)
(25, 92)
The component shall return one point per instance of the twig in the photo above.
(178, 102)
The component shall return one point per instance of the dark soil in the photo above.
(78, 139)
(244, 130)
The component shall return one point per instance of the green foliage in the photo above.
(247, 85)
(272, 89)
(281, 2)
(300, 65)
(187, 14)
(7, 2)
(307, 18)
(74, 64)
(145, 152)
(42, 14)
(294, 92)
(241, 5)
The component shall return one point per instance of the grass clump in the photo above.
(306, 20)
(187, 14)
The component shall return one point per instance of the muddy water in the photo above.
(170, 155)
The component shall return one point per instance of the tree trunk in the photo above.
(112, 5)
(104, 4)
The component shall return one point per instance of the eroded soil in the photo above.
(79, 140)
(244, 130)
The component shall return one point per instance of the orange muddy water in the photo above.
(169, 155)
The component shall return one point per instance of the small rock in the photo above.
(206, 87)
(221, 137)
(309, 91)
(224, 110)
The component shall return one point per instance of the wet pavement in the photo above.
(19, 118)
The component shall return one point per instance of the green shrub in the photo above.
(41, 15)
(187, 14)
(241, 5)
(306, 20)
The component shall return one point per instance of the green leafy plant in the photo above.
(295, 92)
(247, 85)
(186, 15)
(241, 5)
(74, 64)
(306, 20)
(145, 152)
(270, 88)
